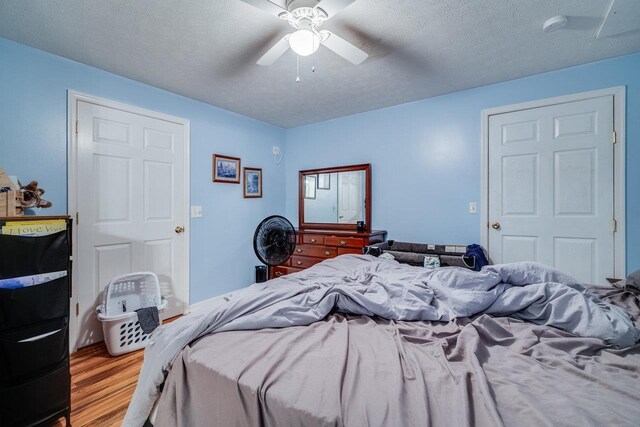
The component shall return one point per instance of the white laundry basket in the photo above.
(121, 298)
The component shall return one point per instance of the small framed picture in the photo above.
(252, 182)
(226, 169)
(310, 186)
(324, 181)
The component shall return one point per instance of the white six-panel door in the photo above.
(130, 199)
(551, 187)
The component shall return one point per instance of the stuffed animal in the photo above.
(32, 196)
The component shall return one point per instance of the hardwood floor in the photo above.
(102, 385)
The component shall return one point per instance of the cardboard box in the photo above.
(11, 203)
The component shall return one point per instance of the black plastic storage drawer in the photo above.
(26, 256)
(36, 400)
(33, 349)
(33, 304)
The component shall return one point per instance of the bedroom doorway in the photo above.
(128, 193)
(351, 195)
(553, 184)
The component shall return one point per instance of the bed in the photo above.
(562, 357)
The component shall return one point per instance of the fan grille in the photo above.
(274, 240)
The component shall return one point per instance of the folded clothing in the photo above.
(148, 318)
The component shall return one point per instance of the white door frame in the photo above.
(73, 98)
(619, 182)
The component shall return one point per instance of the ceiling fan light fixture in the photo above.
(304, 42)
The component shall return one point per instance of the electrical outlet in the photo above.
(276, 150)
(473, 208)
(196, 211)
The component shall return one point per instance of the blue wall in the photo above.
(33, 145)
(434, 141)
(426, 154)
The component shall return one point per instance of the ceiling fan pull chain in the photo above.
(297, 69)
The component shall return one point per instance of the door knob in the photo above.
(495, 225)
(179, 229)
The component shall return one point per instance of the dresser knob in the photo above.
(327, 253)
(299, 251)
(313, 240)
(299, 262)
(342, 242)
(278, 273)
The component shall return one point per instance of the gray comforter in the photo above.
(351, 370)
(368, 286)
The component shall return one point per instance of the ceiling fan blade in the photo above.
(267, 6)
(344, 48)
(275, 52)
(331, 7)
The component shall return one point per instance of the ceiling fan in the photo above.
(306, 16)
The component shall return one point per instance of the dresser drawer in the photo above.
(344, 251)
(34, 304)
(25, 256)
(31, 349)
(33, 400)
(304, 262)
(281, 271)
(313, 239)
(347, 242)
(316, 251)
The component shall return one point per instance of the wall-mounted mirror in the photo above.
(335, 198)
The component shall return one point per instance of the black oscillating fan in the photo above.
(274, 240)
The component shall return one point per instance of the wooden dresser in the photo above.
(314, 246)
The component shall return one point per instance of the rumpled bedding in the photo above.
(364, 285)
(351, 370)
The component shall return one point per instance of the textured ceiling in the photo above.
(207, 50)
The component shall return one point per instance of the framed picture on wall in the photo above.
(226, 169)
(324, 181)
(252, 183)
(310, 186)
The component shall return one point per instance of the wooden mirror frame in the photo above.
(328, 226)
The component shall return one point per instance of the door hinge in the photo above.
(614, 225)
(76, 126)
(614, 137)
(77, 218)
(77, 309)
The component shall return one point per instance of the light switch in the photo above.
(473, 208)
(196, 211)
